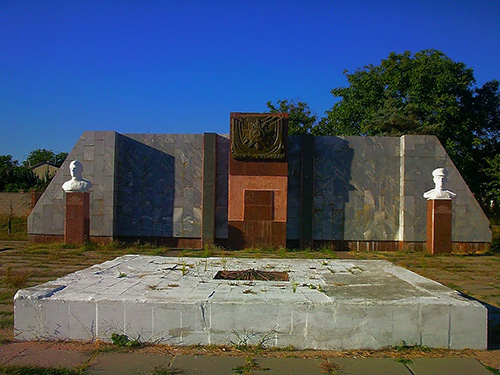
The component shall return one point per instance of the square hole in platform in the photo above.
(252, 274)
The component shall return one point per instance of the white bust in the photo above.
(77, 183)
(439, 192)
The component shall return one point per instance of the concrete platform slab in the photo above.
(456, 366)
(370, 366)
(128, 364)
(207, 365)
(326, 304)
(288, 366)
(49, 358)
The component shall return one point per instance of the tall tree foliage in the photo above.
(14, 177)
(301, 119)
(425, 93)
(42, 155)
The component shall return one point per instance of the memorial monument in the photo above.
(260, 186)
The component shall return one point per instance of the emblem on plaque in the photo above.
(257, 137)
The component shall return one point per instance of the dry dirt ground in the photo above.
(478, 276)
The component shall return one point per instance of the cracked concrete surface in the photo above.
(327, 304)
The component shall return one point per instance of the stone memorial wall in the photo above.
(178, 189)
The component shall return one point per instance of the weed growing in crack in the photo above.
(329, 368)
(121, 274)
(250, 365)
(166, 371)
(224, 263)
(404, 361)
(406, 347)
(124, 341)
(251, 340)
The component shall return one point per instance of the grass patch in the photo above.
(34, 370)
(6, 296)
(16, 278)
(493, 370)
(166, 371)
(6, 321)
(18, 228)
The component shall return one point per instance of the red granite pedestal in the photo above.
(77, 223)
(257, 181)
(439, 226)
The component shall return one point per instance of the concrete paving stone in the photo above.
(49, 358)
(288, 366)
(370, 366)
(9, 351)
(444, 366)
(206, 365)
(128, 364)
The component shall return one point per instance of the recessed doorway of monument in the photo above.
(259, 225)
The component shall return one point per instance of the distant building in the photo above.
(45, 168)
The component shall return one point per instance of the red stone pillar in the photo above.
(439, 226)
(258, 180)
(77, 223)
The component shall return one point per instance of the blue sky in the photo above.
(183, 66)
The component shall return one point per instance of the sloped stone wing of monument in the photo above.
(261, 186)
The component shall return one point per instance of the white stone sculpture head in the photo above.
(77, 184)
(76, 169)
(439, 191)
(439, 178)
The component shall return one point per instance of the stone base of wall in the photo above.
(51, 238)
(470, 247)
(340, 245)
(175, 242)
(184, 243)
(336, 245)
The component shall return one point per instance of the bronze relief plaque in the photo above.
(258, 136)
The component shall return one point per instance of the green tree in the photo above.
(301, 119)
(423, 93)
(14, 177)
(42, 155)
(60, 158)
(493, 185)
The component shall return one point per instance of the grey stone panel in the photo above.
(356, 188)
(48, 215)
(160, 184)
(221, 189)
(142, 169)
(375, 195)
(421, 155)
(294, 181)
(188, 181)
(160, 180)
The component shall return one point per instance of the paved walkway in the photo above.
(17, 354)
